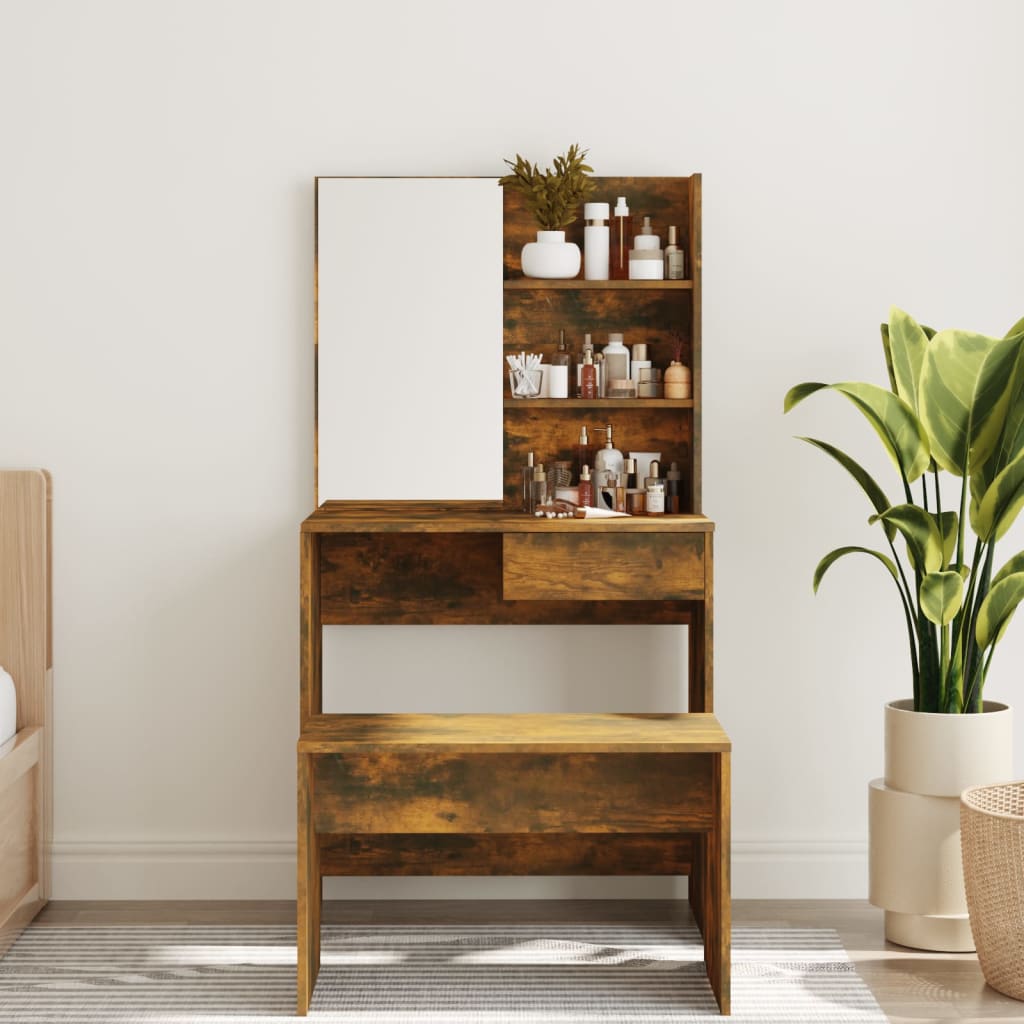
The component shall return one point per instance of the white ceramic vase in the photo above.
(915, 868)
(551, 256)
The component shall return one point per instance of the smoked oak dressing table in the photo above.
(528, 794)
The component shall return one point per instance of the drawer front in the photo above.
(414, 792)
(603, 567)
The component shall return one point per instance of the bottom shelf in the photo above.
(497, 854)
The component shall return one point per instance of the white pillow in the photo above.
(8, 707)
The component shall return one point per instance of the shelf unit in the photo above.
(565, 794)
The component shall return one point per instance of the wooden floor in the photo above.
(910, 986)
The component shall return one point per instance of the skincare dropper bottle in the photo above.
(527, 495)
(586, 490)
(558, 372)
(621, 233)
(646, 260)
(588, 345)
(675, 261)
(655, 488)
(583, 449)
(588, 377)
(607, 464)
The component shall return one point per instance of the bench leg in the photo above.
(309, 891)
(715, 890)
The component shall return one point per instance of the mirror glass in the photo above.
(409, 338)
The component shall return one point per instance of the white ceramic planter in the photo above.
(551, 256)
(915, 866)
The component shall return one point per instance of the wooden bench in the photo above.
(566, 794)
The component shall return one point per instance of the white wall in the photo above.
(156, 354)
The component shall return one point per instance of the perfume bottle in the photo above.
(675, 259)
(539, 492)
(621, 233)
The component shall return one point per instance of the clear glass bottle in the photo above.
(539, 492)
(621, 238)
(527, 492)
(675, 259)
(586, 496)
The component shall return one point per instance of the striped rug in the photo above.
(387, 974)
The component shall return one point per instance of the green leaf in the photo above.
(892, 419)
(908, 344)
(946, 395)
(999, 439)
(1017, 328)
(833, 556)
(997, 609)
(1001, 503)
(867, 483)
(1014, 564)
(942, 595)
(947, 523)
(924, 543)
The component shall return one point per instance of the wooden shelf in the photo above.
(534, 283)
(598, 403)
(477, 517)
(555, 733)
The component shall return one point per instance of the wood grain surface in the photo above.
(624, 567)
(416, 791)
(541, 733)
(536, 853)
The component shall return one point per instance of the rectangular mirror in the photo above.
(409, 338)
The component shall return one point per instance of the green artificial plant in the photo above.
(955, 405)
(552, 196)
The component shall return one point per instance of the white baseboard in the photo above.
(773, 869)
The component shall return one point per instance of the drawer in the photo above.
(603, 566)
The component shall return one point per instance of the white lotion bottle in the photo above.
(595, 241)
(616, 360)
(608, 463)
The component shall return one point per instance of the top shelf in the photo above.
(534, 283)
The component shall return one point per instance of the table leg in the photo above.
(716, 890)
(309, 891)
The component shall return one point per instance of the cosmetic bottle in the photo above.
(588, 344)
(586, 488)
(638, 361)
(655, 488)
(539, 493)
(620, 493)
(673, 490)
(649, 385)
(629, 471)
(616, 361)
(595, 241)
(646, 260)
(675, 260)
(599, 367)
(621, 233)
(588, 377)
(636, 501)
(558, 373)
(607, 464)
(584, 451)
(677, 380)
(527, 494)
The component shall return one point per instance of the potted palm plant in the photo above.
(952, 423)
(553, 196)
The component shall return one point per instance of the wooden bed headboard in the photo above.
(26, 647)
